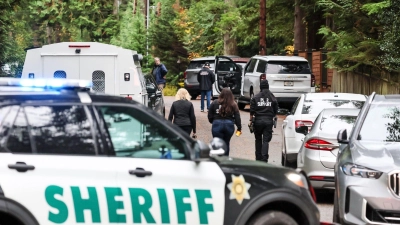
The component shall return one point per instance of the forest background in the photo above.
(355, 32)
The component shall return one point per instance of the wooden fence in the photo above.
(362, 83)
(364, 80)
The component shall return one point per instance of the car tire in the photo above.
(336, 216)
(241, 105)
(194, 97)
(163, 111)
(272, 218)
(286, 163)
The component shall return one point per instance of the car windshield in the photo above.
(284, 67)
(333, 123)
(315, 106)
(382, 123)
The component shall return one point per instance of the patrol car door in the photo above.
(160, 183)
(49, 165)
(228, 74)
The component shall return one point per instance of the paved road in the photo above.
(243, 147)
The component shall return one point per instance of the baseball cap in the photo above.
(207, 64)
(264, 84)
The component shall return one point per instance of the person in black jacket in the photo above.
(182, 112)
(223, 114)
(263, 109)
(206, 79)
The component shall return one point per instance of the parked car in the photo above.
(227, 74)
(288, 77)
(155, 96)
(303, 113)
(317, 155)
(367, 171)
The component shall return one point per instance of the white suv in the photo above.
(288, 77)
(304, 112)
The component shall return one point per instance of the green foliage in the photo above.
(133, 34)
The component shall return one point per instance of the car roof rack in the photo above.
(55, 83)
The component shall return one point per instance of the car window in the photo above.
(251, 65)
(382, 123)
(227, 66)
(200, 64)
(136, 134)
(261, 66)
(292, 67)
(52, 130)
(334, 123)
(295, 106)
(315, 106)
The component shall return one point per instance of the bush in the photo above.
(170, 90)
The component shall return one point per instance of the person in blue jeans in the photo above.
(206, 79)
(224, 114)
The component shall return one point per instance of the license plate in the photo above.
(288, 83)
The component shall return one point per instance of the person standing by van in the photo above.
(159, 71)
(263, 109)
(182, 112)
(224, 114)
(206, 79)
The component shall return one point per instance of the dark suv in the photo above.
(71, 156)
(225, 69)
(367, 170)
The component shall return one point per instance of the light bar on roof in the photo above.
(45, 83)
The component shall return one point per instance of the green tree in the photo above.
(132, 34)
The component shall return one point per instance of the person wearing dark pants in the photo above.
(224, 114)
(263, 109)
(206, 79)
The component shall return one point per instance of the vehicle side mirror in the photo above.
(203, 150)
(218, 147)
(302, 130)
(342, 137)
(158, 93)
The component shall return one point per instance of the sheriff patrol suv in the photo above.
(72, 156)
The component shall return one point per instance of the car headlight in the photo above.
(297, 179)
(360, 171)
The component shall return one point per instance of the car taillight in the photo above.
(263, 77)
(312, 80)
(129, 97)
(299, 123)
(318, 144)
(184, 75)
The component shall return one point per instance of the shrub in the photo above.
(170, 90)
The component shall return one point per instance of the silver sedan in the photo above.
(317, 155)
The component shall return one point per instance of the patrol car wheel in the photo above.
(272, 218)
(241, 105)
(194, 97)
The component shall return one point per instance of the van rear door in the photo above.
(100, 69)
(59, 66)
(288, 76)
(227, 74)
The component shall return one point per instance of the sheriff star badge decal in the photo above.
(239, 189)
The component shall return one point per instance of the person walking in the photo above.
(182, 112)
(159, 71)
(263, 109)
(223, 114)
(206, 79)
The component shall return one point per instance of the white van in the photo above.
(112, 69)
(288, 78)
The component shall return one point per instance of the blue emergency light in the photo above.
(45, 83)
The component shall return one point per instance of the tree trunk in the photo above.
(115, 7)
(300, 42)
(315, 22)
(230, 44)
(263, 28)
(49, 34)
(35, 29)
